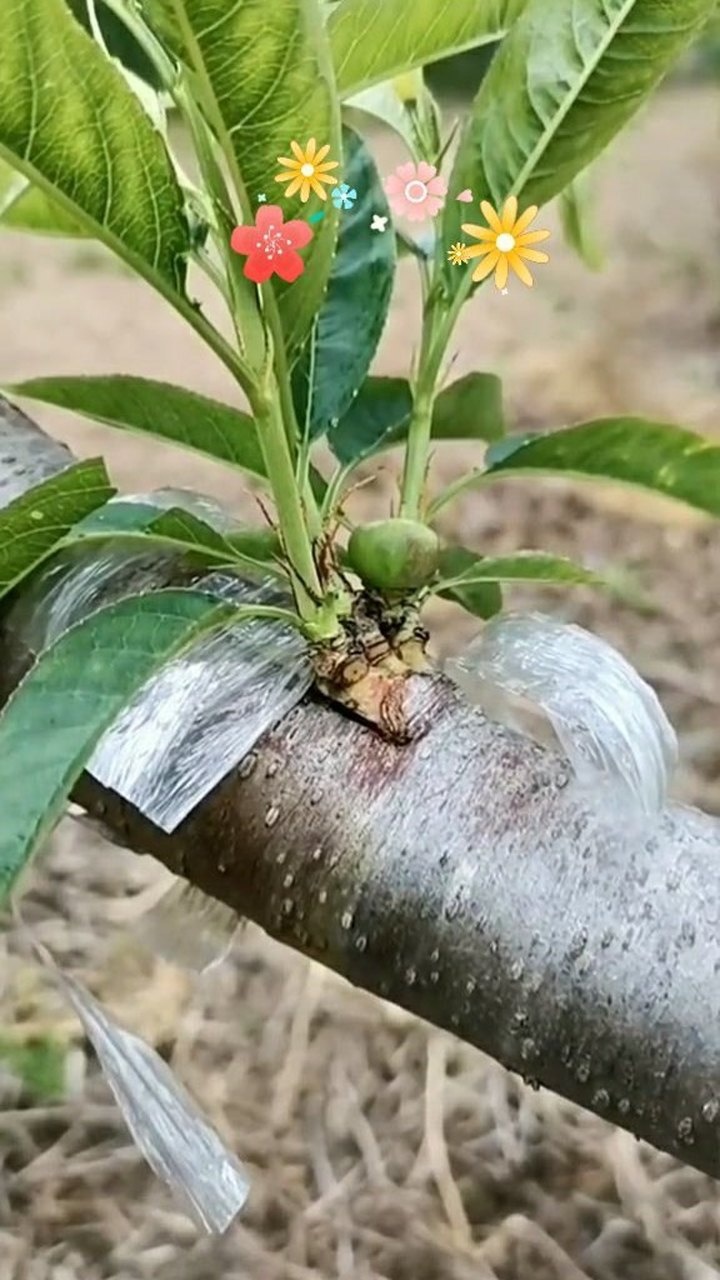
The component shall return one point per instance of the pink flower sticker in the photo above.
(416, 192)
(271, 245)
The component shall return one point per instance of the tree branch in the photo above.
(462, 878)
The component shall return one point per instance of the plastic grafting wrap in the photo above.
(559, 683)
(188, 928)
(200, 715)
(198, 503)
(184, 926)
(174, 1137)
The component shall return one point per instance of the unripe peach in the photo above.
(394, 555)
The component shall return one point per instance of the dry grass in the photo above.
(377, 1147)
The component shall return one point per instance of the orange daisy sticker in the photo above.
(505, 244)
(307, 170)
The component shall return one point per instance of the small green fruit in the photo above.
(394, 555)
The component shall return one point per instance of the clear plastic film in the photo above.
(174, 1137)
(202, 506)
(564, 686)
(188, 928)
(183, 925)
(200, 715)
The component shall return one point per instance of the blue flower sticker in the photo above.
(344, 197)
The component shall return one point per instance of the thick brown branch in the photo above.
(461, 877)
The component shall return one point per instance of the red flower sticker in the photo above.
(271, 245)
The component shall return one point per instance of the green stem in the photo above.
(249, 328)
(437, 327)
(318, 614)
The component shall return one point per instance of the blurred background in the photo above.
(377, 1147)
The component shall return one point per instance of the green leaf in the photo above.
(181, 529)
(264, 78)
(576, 216)
(157, 409)
(69, 123)
(243, 547)
(653, 455)
(161, 409)
(262, 545)
(192, 533)
(407, 106)
(376, 420)
(118, 41)
(39, 519)
(39, 1063)
(118, 517)
(420, 246)
(197, 538)
(566, 79)
(375, 40)
(469, 409)
(483, 599)
(24, 208)
(53, 721)
(349, 326)
(523, 566)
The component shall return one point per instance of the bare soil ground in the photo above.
(377, 1147)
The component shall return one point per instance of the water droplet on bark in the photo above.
(411, 976)
(322, 896)
(346, 920)
(687, 934)
(711, 1110)
(452, 910)
(361, 942)
(582, 1072)
(272, 816)
(686, 1131)
(288, 880)
(247, 765)
(601, 1100)
(578, 945)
